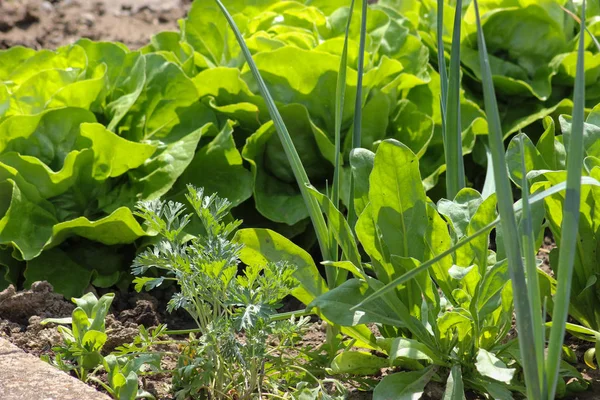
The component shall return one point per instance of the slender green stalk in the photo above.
(455, 170)
(509, 224)
(356, 133)
(576, 18)
(442, 59)
(533, 285)
(333, 275)
(316, 216)
(340, 94)
(570, 222)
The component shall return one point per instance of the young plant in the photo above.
(232, 358)
(81, 351)
(122, 376)
(84, 341)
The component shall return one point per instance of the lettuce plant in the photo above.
(111, 128)
(534, 73)
(301, 67)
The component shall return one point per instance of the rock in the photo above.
(23, 376)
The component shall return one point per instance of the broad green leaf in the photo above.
(370, 238)
(12, 58)
(308, 78)
(461, 210)
(48, 136)
(127, 89)
(335, 305)
(56, 88)
(533, 159)
(99, 312)
(87, 302)
(94, 339)
(230, 96)
(455, 389)
(72, 58)
(398, 199)
(28, 238)
(526, 68)
(170, 44)
(276, 192)
(458, 320)
(66, 276)
(118, 227)
(113, 155)
(491, 366)
(413, 349)
(551, 150)
(403, 385)
(357, 363)
(490, 288)
(205, 28)
(218, 168)
(81, 323)
(263, 245)
(411, 127)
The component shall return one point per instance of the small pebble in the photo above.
(46, 6)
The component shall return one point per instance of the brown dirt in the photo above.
(544, 253)
(53, 23)
(21, 314)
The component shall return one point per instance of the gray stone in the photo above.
(25, 377)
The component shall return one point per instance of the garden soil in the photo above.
(21, 314)
(54, 23)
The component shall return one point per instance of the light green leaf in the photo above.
(455, 389)
(398, 199)
(263, 245)
(335, 305)
(357, 363)
(403, 385)
(491, 366)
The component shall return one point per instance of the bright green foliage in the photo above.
(297, 50)
(122, 376)
(86, 131)
(92, 128)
